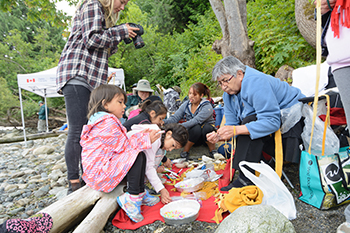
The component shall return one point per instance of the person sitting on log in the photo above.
(108, 155)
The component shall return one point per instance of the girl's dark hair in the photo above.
(156, 106)
(201, 88)
(103, 92)
(179, 133)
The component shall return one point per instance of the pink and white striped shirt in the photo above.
(107, 153)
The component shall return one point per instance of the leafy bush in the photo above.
(271, 24)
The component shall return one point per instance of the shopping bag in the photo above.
(324, 180)
(275, 192)
(324, 170)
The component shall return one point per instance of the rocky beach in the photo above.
(33, 176)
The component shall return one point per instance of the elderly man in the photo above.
(252, 105)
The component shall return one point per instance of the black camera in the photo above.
(138, 42)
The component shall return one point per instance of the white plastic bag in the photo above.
(275, 192)
(332, 144)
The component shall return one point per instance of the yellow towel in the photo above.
(237, 197)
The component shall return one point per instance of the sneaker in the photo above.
(148, 199)
(185, 155)
(212, 153)
(131, 204)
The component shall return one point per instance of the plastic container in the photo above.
(190, 185)
(180, 212)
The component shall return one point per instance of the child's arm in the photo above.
(151, 171)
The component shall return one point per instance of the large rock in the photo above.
(256, 218)
(44, 150)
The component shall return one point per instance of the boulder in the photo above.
(256, 218)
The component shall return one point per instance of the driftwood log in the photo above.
(89, 208)
(32, 137)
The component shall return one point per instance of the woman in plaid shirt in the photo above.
(83, 66)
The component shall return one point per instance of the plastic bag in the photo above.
(332, 143)
(275, 192)
(290, 116)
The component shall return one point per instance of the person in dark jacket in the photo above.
(197, 112)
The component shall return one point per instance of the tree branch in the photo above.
(9, 60)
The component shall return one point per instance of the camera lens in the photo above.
(139, 43)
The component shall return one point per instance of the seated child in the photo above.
(108, 155)
(175, 136)
(151, 113)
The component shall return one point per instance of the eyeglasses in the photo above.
(225, 81)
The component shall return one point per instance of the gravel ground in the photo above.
(309, 219)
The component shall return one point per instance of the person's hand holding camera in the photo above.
(131, 30)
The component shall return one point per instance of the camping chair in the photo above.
(117, 78)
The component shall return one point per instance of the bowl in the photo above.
(180, 212)
(190, 185)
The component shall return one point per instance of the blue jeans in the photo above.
(77, 99)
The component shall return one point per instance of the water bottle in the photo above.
(345, 227)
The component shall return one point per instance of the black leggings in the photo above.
(136, 176)
(77, 99)
(198, 133)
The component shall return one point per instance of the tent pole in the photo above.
(22, 115)
(46, 115)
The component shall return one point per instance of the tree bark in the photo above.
(304, 17)
(232, 17)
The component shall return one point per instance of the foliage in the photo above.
(165, 58)
(39, 10)
(172, 15)
(7, 99)
(277, 38)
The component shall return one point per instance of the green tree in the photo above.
(172, 15)
(277, 38)
(39, 10)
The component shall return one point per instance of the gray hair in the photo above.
(228, 65)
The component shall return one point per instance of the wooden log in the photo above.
(68, 211)
(104, 208)
(32, 137)
(93, 206)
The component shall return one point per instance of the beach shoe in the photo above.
(148, 199)
(131, 204)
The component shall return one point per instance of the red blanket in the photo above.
(152, 213)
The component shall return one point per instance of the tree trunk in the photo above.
(304, 17)
(232, 17)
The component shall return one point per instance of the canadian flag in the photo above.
(31, 80)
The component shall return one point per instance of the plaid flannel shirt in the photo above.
(87, 49)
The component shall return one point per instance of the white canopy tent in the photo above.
(44, 84)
